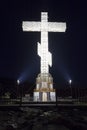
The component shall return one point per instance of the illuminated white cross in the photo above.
(44, 27)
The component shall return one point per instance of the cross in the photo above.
(44, 27)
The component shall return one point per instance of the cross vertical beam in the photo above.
(44, 27)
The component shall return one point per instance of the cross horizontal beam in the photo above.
(44, 26)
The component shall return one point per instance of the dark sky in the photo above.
(18, 49)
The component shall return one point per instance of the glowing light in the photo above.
(44, 79)
(44, 27)
(70, 81)
(18, 81)
(26, 73)
(53, 96)
(36, 96)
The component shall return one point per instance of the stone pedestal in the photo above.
(44, 90)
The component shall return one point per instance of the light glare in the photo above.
(18, 81)
(70, 81)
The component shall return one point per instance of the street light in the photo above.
(70, 82)
(18, 81)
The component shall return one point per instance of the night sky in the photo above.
(18, 49)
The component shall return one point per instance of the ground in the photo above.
(41, 119)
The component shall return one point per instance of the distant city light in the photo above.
(70, 81)
(18, 81)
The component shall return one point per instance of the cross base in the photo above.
(44, 90)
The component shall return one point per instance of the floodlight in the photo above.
(18, 81)
(70, 81)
